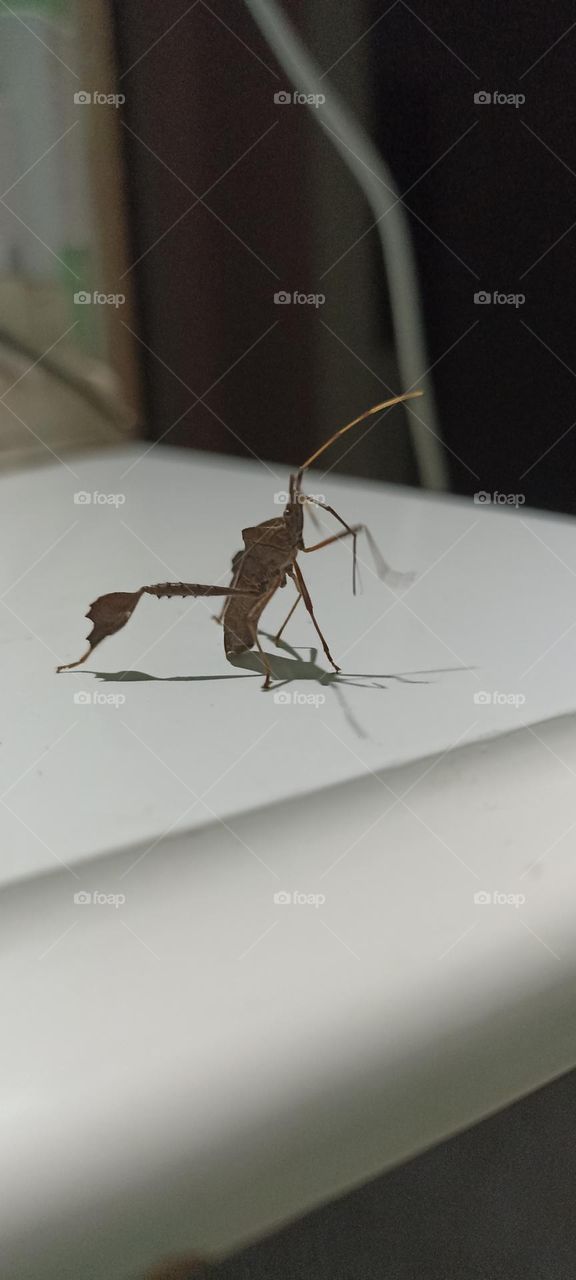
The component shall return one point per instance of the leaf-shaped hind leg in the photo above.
(111, 612)
(108, 614)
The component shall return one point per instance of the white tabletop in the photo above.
(189, 1066)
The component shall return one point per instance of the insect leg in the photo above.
(265, 662)
(310, 607)
(391, 576)
(346, 533)
(276, 638)
(111, 612)
(351, 531)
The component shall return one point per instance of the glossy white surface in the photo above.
(189, 1067)
(491, 610)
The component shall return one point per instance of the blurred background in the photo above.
(160, 186)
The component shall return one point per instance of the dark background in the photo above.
(492, 210)
(494, 1203)
(500, 200)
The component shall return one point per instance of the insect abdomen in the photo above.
(239, 628)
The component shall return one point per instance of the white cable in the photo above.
(377, 183)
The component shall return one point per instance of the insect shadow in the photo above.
(287, 669)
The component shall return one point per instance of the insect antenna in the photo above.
(386, 404)
(296, 483)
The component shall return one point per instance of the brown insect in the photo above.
(268, 558)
